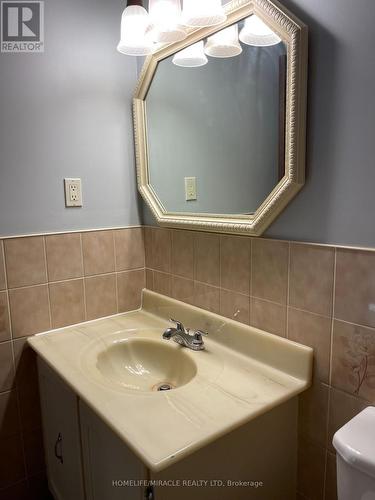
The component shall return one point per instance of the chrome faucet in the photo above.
(182, 336)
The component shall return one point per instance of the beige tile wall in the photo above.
(320, 296)
(50, 282)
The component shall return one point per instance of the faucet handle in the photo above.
(198, 334)
(180, 326)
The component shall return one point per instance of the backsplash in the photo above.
(51, 282)
(317, 295)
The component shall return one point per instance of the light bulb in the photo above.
(135, 22)
(201, 13)
(257, 33)
(191, 57)
(166, 19)
(224, 43)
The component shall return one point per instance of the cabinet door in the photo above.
(61, 435)
(108, 463)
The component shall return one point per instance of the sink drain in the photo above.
(165, 386)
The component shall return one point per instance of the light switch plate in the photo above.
(73, 192)
(190, 188)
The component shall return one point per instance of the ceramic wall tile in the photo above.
(98, 252)
(355, 286)
(25, 261)
(130, 249)
(64, 256)
(268, 316)
(270, 260)
(207, 258)
(29, 308)
(235, 254)
(311, 278)
(183, 254)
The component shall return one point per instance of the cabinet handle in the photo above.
(58, 445)
(149, 493)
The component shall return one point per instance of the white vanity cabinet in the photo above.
(108, 463)
(86, 460)
(61, 433)
(84, 457)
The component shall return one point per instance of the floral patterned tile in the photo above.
(353, 360)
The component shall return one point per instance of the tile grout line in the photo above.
(75, 279)
(294, 308)
(333, 314)
(288, 291)
(350, 394)
(220, 273)
(9, 316)
(171, 267)
(331, 355)
(194, 235)
(5, 265)
(2, 245)
(116, 271)
(83, 276)
(46, 259)
(220, 259)
(48, 287)
(8, 298)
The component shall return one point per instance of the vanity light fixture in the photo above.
(135, 23)
(257, 33)
(166, 19)
(202, 13)
(224, 43)
(191, 57)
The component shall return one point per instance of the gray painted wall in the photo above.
(220, 124)
(67, 113)
(337, 204)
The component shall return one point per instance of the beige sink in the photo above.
(141, 364)
(116, 364)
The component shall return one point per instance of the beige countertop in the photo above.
(242, 373)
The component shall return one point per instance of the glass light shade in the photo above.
(224, 43)
(257, 33)
(191, 57)
(201, 13)
(135, 22)
(166, 19)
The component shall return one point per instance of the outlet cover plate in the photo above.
(73, 192)
(190, 188)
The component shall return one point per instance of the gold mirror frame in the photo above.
(294, 34)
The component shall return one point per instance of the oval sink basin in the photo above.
(146, 365)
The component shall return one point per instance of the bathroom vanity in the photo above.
(227, 428)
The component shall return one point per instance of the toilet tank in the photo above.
(355, 446)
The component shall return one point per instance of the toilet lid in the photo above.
(355, 441)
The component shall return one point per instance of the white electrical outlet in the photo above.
(190, 188)
(73, 192)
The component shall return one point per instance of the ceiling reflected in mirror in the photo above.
(216, 122)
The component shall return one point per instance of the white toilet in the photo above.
(355, 446)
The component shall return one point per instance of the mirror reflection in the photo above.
(216, 122)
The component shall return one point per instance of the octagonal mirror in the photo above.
(220, 122)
